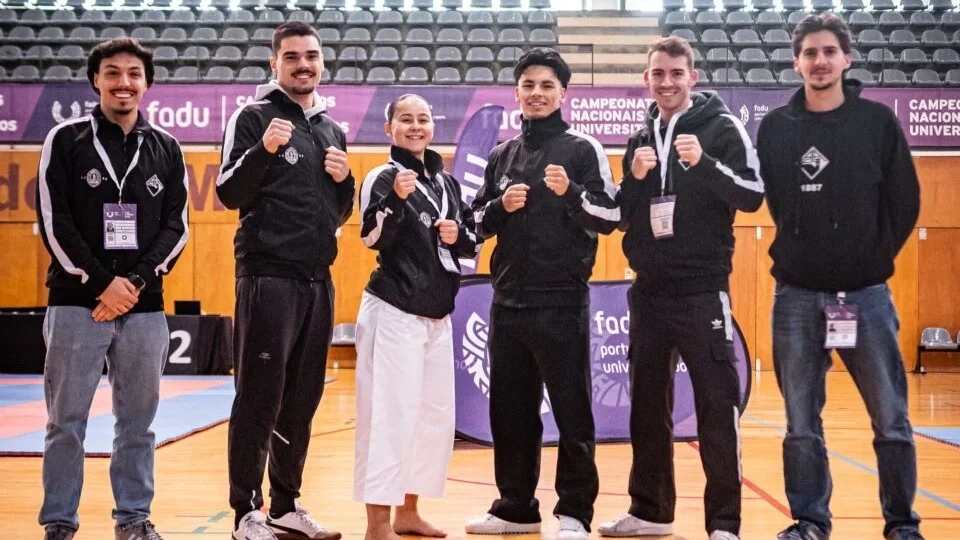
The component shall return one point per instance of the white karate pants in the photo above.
(405, 404)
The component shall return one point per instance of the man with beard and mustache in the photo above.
(112, 194)
(284, 167)
(685, 176)
(843, 192)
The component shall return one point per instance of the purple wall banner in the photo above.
(609, 339)
(197, 113)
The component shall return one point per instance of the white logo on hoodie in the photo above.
(813, 162)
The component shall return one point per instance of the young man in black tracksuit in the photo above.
(844, 195)
(285, 168)
(685, 175)
(546, 195)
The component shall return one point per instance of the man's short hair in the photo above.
(543, 56)
(674, 47)
(814, 23)
(292, 29)
(121, 45)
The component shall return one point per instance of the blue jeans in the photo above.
(876, 366)
(135, 349)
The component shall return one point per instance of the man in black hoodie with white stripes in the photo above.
(685, 176)
(843, 192)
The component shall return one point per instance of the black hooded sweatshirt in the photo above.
(842, 190)
(698, 257)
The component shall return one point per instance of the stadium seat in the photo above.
(925, 77)
(251, 74)
(862, 75)
(414, 75)
(739, 19)
(480, 55)
(348, 75)
(726, 76)
(789, 77)
(219, 74)
(381, 75)
(448, 55)
(760, 77)
(58, 73)
(385, 55)
(416, 55)
(479, 75)
(446, 75)
(893, 77)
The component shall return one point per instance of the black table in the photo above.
(199, 344)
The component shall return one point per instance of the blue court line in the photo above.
(850, 461)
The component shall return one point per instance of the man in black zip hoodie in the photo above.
(685, 175)
(546, 195)
(843, 192)
(285, 168)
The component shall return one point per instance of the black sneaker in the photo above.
(141, 530)
(905, 533)
(58, 532)
(803, 530)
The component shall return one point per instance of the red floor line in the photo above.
(762, 493)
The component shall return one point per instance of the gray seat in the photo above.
(241, 16)
(542, 36)
(94, 18)
(920, 20)
(414, 75)
(936, 338)
(349, 74)
(263, 35)
(902, 38)
(183, 18)
(10, 53)
(856, 58)
(185, 74)
(164, 54)
(381, 75)
(161, 74)
(541, 18)
(257, 55)
(925, 77)
(204, 34)
(942, 5)
(714, 36)
(794, 18)
(24, 74)
(851, 5)
(62, 17)
(479, 75)
(861, 20)
(720, 55)
(122, 17)
(173, 35)
(71, 53)
(739, 19)
(302, 15)
(753, 56)
(952, 77)
(451, 4)
(862, 75)
(509, 18)
(419, 35)
(211, 17)
(81, 75)
(708, 19)
(871, 36)
(51, 34)
(83, 34)
(360, 18)
(505, 75)
(219, 74)
(686, 34)
(890, 20)
(914, 58)
(480, 55)
(769, 19)
(480, 18)
(227, 54)
(448, 55)
(356, 34)
(353, 54)
(329, 35)
(153, 18)
(776, 37)
(449, 18)
(416, 55)
(760, 76)
(388, 35)
(22, 34)
(330, 17)
(789, 77)
(34, 17)
(882, 5)
(893, 76)
(511, 36)
(420, 18)
(389, 18)
(195, 53)
(235, 35)
(251, 74)
(38, 52)
(935, 37)
(678, 19)
(950, 21)
(385, 55)
(912, 5)
(478, 36)
(946, 57)
(144, 34)
(270, 17)
(509, 54)
(450, 36)
(726, 76)
(58, 73)
(446, 75)
(881, 57)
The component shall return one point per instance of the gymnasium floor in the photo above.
(191, 475)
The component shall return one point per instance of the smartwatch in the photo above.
(137, 281)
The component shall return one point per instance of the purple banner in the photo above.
(197, 113)
(609, 340)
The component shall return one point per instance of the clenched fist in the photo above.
(555, 176)
(644, 160)
(278, 133)
(515, 197)
(688, 148)
(448, 230)
(405, 183)
(335, 163)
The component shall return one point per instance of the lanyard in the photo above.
(663, 148)
(106, 159)
(443, 207)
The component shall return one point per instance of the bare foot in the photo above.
(381, 532)
(410, 523)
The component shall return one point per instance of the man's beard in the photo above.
(824, 86)
(302, 90)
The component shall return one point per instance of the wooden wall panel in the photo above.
(764, 303)
(904, 287)
(18, 265)
(743, 285)
(180, 283)
(214, 267)
(939, 191)
(939, 291)
(351, 272)
(43, 265)
(18, 185)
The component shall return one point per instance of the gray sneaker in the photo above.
(905, 533)
(803, 530)
(58, 532)
(141, 530)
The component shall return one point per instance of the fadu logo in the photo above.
(186, 116)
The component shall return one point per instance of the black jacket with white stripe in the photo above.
(411, 276)
(73, 186)
(546, 250)
(698, 258)
(290, 207)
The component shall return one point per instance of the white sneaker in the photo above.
(253, 526)
(300, 524)
(629, 525)
(723, 535)
(491, 524)
(571, 529)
